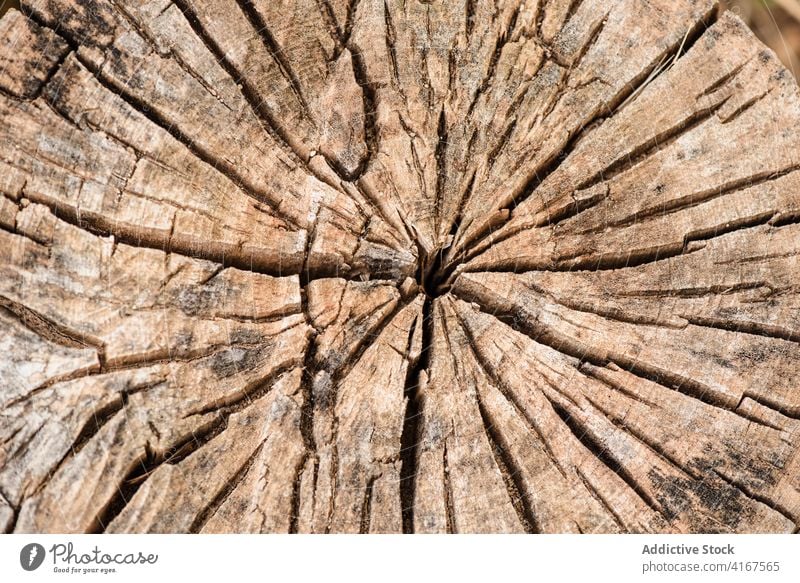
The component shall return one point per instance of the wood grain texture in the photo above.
(373, 266)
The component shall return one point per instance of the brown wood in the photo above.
(397, 266)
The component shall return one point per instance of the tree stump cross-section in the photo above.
(397, 266)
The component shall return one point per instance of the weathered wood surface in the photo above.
(397, 266)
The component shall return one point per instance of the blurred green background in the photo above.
(776, 22)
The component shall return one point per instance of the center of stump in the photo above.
(431, 277)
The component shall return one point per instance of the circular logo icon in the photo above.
(31, 556)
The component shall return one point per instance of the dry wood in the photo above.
(396, 266)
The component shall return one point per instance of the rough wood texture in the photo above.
(397, 266)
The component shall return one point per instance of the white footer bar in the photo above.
(401, 559)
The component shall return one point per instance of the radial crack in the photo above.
(557, 158)
(260, 26)
(219, 499)
(606, 458)
(510, 472)
(410, 435)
